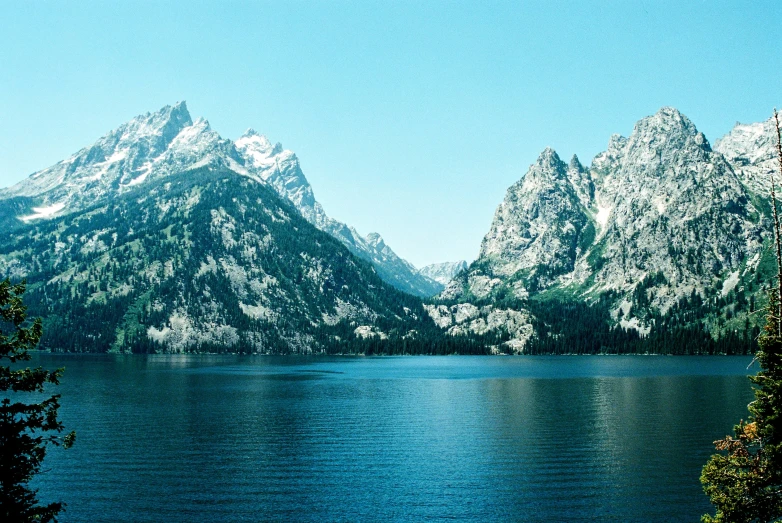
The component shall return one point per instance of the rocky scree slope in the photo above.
(169, 142)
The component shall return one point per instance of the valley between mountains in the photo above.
(163, 236)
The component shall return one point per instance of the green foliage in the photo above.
(587, 237)
(595, 256)
(102, 278)
(745, 481)
(567, 325)
(25, 428)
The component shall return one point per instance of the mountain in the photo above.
(280, 168)
(208, 260)
(443, 272)
(656, 227)
(148, 147)
(163, 236)
(161, 144)
(751, 149)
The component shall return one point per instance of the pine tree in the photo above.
(26, 429)
(745, 483)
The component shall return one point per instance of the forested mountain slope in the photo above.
(208, 261)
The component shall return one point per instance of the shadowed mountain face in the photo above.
(656, 221)
(168, 143)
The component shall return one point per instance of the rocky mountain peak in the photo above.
(548, 158)
(609, 158)
(667, 119)
(658, 209)
(667, 205)
(167, 122)
(167, 143)
(257, 148)
(751, 149)
(121, 158)
(667, 130)
(195, 132)
(375, 242)
(540, 217)
(575, 164)
(582, 182)
(547, 169)
(280, 169)
(177, 111)
(616, 142)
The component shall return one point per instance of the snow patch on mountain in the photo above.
(44, 212)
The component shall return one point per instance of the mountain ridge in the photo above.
(658, 219)
(659, 245)
(169, 141)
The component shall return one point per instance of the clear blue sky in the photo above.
(410, 118)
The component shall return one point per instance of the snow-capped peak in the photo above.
(547, 168)
(156, 143)
(167, 122)
(375, 240)
(168, 142)
(665, 123)
(258, 149)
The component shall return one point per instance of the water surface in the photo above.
(227, 438)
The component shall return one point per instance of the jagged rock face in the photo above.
(443, 272)
(581, 180)
(147, 147)
(464, 319)
(658, 208)
(280, 168)
(751, 149)
(169, 142)
(537, 232)
(667, 204)
(540, 219)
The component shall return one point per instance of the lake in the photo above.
(233, 438)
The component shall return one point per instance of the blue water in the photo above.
(227, 438)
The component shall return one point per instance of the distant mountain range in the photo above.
(164, 236)
(443, 272)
